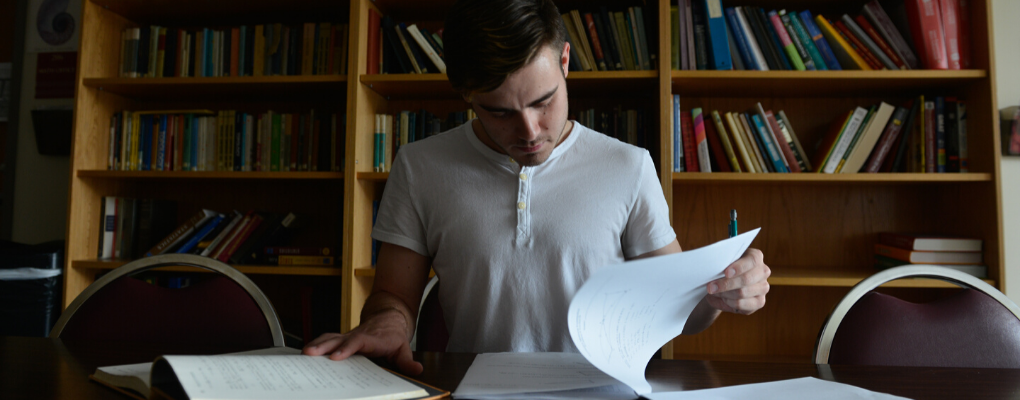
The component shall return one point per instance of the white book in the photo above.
(424, 44)
(108, 227)
(847, 136)
(860, 152)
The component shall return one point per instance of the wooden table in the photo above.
(38, 368)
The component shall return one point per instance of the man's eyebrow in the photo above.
(544, 97)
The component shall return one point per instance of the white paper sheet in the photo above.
(559, 375)
(287, 376)
(792, 389)
(624, 313)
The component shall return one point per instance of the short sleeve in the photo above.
(648, 226)
(399, 221)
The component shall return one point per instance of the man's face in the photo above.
(526, 116)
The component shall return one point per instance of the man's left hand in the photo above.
(743, 289)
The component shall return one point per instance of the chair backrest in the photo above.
(976, 327)
(430, 333)
(228, 309)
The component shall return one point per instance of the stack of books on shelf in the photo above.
(203, 140)
(924, 135)
(247, 50)
(757, 140)
(628, 126)
(134, 228)
(397, 48)
(606, 40)
(393, 131)
(707, 36)
(960, 253)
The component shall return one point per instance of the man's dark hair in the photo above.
(485, 41)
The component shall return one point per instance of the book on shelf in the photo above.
(730, 156)
(700, 140)
(802, 42)
(182, 232)
(977, 270)
(200, 234)
(868, 43)
(874, 13)
(156, 52)
(107, 227)
(279, 229)
(792, 51)
(863, 145)
(299, 260)
(855, 42)
(928, 257)
(824, 48)
(928, 31)
(846, 55)
(896, 162)
(929, 242)
(888, 138)
(261, 373)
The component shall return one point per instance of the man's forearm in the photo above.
(380, 304)
(701, 318)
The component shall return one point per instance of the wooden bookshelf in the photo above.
(317, 198)
(818, 230)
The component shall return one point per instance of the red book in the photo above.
(877, 38)
(596, 46)
(963, 14)
(950, 10)
(241, 236)
(828, 140)
(857, 45)
(373, 42)
(687, 133)
(888, 138)
(784, 146)
(926, 28)
(235, 48)
(722, 163)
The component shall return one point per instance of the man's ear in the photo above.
(565, 58)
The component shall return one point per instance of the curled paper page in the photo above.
(624, 313)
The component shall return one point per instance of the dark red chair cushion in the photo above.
(967, 329)
(215, 312)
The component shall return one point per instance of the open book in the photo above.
(261, 374)
(618, 319)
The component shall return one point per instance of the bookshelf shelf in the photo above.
(815, 178)
(416, 86)
(104, 174)
(247, 269)
(202, 12)
(221, 87)
(817, 83)
(373, 176)
(829, 278)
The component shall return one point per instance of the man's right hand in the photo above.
(384, 334)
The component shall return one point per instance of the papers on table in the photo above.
(543, 375)
(618, 319)
(792, 389)
(624, 313)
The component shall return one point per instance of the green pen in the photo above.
(733, 222)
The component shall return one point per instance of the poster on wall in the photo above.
(54, 75)
(54, 26)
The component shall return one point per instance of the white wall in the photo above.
(1007, 64)
(41, 182)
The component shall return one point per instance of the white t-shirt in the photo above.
(512, 245)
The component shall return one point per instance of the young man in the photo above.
(516, 209)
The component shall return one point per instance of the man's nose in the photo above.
(529, 120)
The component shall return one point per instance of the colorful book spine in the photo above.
(828, 57)
(805, 47)
(727, 145)
(784, 40)
(744, 48)
(701, 141)
(715, 23)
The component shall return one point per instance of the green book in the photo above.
(624, 38)
(805, 39)
(674, 33)
(784, 41)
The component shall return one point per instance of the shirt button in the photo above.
(521, 205)
(524, 176)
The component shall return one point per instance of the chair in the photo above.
(225, 310)
(430, 334)
(977, 327)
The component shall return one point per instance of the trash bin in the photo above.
(30, 287)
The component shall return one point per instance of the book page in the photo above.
(505, 375)
(287, 376)
(790, 389)
(624, 313)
